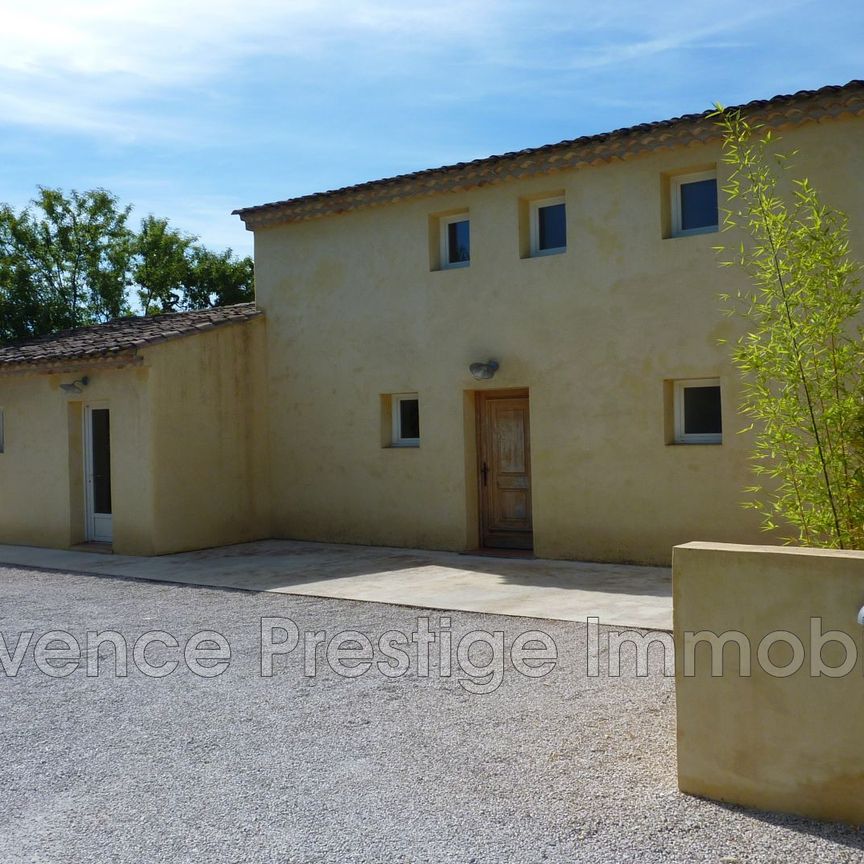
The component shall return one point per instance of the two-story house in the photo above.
(519, 352)
(585, 270)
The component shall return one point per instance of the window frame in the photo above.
(534, 226)
(675, 184)
(396, 438)
(681, 436)
(444, 223)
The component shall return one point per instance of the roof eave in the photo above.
(115, 358)
(797, 109)
(70, 365)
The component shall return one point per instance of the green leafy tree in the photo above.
(218, 279)
(802, 357)
(160, 268)
(173, 272)
(63, 262)
(69, 260)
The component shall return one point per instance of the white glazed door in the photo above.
(97, 472)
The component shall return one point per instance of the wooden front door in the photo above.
(504, 470)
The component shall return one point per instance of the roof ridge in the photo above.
(371, 192)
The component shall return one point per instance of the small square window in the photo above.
(455, 241)
(694, 203)
(548, 226)
(698, 415)
(406, 420)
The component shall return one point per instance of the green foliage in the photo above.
(218, 279)
(802, 359)
(161, 265)
(70, 260)
(63, 262)
(172, 272)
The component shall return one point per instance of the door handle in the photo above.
(484, 470)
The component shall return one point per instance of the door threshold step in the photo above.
(101, 548)
(501, 553)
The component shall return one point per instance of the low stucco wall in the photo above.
(771, 740)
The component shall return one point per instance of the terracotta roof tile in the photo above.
(827, 102)
(118, 336)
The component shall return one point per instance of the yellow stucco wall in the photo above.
(790, 744)
(354, 311)
(188, 447)
(211, 486)
(276, 430)
(41, 486)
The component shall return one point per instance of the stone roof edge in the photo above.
(116, 358)
(795, 110)
(70, 365)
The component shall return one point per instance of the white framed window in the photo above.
(455, 241)
(694, 203)
(698, 414)
(406, 420)
(548, 219)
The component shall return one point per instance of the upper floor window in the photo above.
(548, 226)
(698, 413)
(694, 203)
(455, 241)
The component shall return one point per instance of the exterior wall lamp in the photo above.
(76, 386)
(483, 371)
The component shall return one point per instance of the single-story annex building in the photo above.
(144, 432)
(522, 351)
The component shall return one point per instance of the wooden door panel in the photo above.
(509, 439)
(505, 459)
(512, 510)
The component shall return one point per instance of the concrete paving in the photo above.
(617, 594)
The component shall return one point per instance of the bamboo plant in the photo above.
(802, 355)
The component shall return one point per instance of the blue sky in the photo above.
(190, 108)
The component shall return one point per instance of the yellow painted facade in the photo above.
(355, 310)
(279, 426)
(785, 733)
(188, 447)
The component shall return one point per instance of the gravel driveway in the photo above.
(330, 768)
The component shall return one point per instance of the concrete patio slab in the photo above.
(617, 594)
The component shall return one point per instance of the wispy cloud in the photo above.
(77, 61)
(93, 66)
(189, 108)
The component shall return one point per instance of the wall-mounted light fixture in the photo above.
(484, 371)
(76, 386)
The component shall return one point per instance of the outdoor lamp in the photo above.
(76, 386)
(483, 371)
